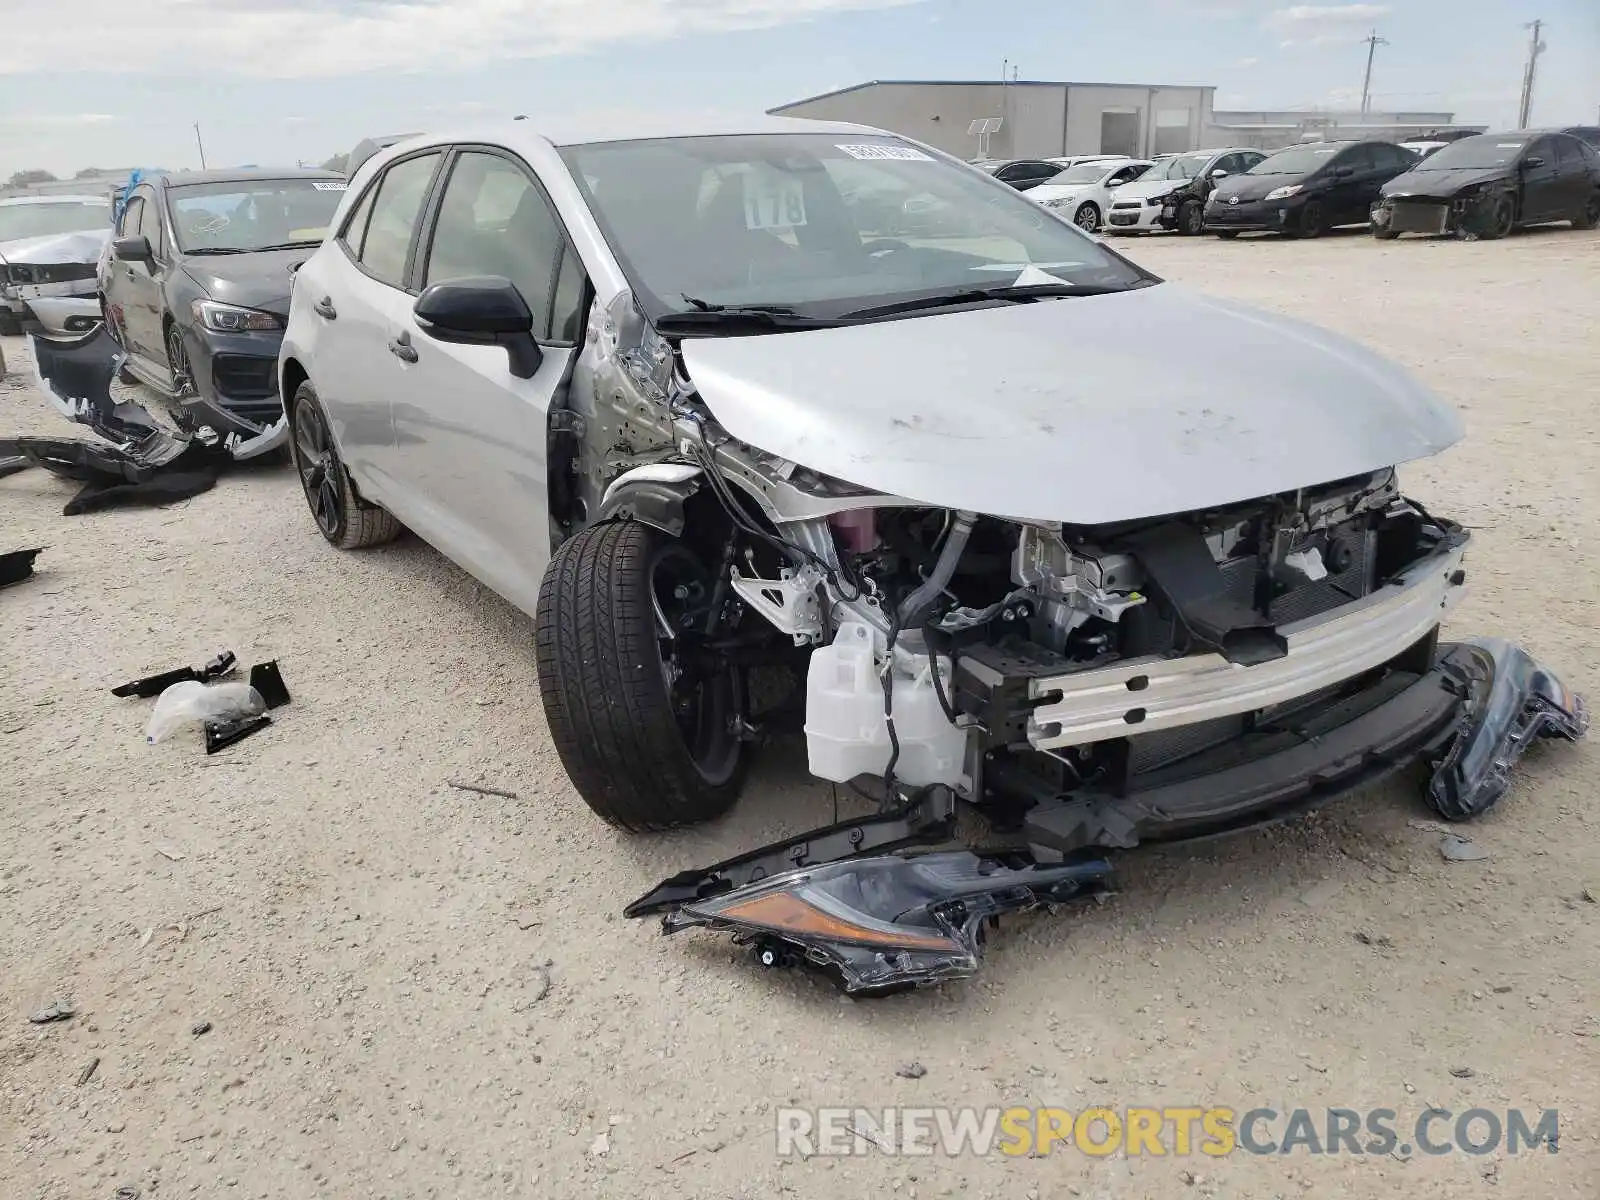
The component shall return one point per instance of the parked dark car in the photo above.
(1020, 173)
(1305, 190)
(1490, 185)
(1584, 133)
(196, 286)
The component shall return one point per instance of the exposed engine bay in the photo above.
(1082, 687)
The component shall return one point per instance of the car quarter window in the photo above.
(494, 219)
(131, 215)
(396, 210)
(150, 225)
(355, 225)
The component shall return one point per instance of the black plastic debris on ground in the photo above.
(154, 685)
(268, 683)
(18, 565)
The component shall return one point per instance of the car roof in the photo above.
(244, 175)
(79, 199)
(586, 130)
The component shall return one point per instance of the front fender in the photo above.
(652, 494)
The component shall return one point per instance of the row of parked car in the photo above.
(1484, 185)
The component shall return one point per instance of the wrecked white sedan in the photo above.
(50, 249)
(804, 396)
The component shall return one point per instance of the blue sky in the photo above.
(108, 83)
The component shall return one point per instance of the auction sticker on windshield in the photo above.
(886, 151)
(773, 202)
(334, 185)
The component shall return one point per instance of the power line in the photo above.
(1535, 48)
(1373, 41)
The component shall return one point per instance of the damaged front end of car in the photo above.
(1079, 686)
(1482, 210)
(50, 284)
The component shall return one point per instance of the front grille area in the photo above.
(1312, 597)
(1419, 217)
(244, 377)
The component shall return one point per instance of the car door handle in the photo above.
(324, 308)
(402, 348)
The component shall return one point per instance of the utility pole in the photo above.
(1535, 48)
(1373, 41)
(200, 144)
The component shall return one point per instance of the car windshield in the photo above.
(1083, 173)
(1184, 166)
(1296, 160)
(824, 224)
(43, 219)
(252, 214)
(1474, 154)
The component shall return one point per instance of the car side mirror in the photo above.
(1219, 173)
(1533, 160)
(132, 249)
(1343, 172)
(483, 310)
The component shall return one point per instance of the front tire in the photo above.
(1504, 221)
(343, 517)
(646, 733)
(1313, 220)
(1087, 218)
(1190, 219)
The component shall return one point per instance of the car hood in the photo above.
(1053, 191)
(1441, 183)
(1253, 187)
(252, 280)
(1148, 190)
(1056, 411)
(55, 248)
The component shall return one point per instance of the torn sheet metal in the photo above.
(1510, 701)
(888, 922)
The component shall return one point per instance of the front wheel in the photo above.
(1503, 221)
(1590, 217)
(1190, 219)
(645, 714)
(1313, 220)
(1087, 218)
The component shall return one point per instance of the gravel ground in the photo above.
(419, 991)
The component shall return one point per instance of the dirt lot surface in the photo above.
(417, 991)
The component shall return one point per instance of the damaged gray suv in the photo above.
(812, 401)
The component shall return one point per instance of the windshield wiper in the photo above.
(1015, 294)
(217, 250)
(705, 316)
(282, 246)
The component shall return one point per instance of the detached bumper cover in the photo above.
(862, 901)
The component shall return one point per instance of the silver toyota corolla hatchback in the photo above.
(805, 402)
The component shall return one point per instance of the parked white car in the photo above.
(729, 428)
(50, 249)
(1083, 193)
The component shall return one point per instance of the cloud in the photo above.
(1245, 62)
(57, 120)
(1320, 24)
(280, 39)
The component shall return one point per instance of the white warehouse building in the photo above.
(1036, 119)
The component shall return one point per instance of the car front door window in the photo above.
(386, 248)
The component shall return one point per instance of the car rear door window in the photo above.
(1360, 158)
(395, 212)
(495, 220)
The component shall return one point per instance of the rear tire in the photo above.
(343, 517)
(1226, 235)
(1590, 217)
(618, 720)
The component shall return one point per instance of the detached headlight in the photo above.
(1283, 193)
(231, 318)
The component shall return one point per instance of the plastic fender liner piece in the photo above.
(222, 734)
(268, 680)
(18, 565)
(889, 922)
(1510, 701)
(154, 685)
